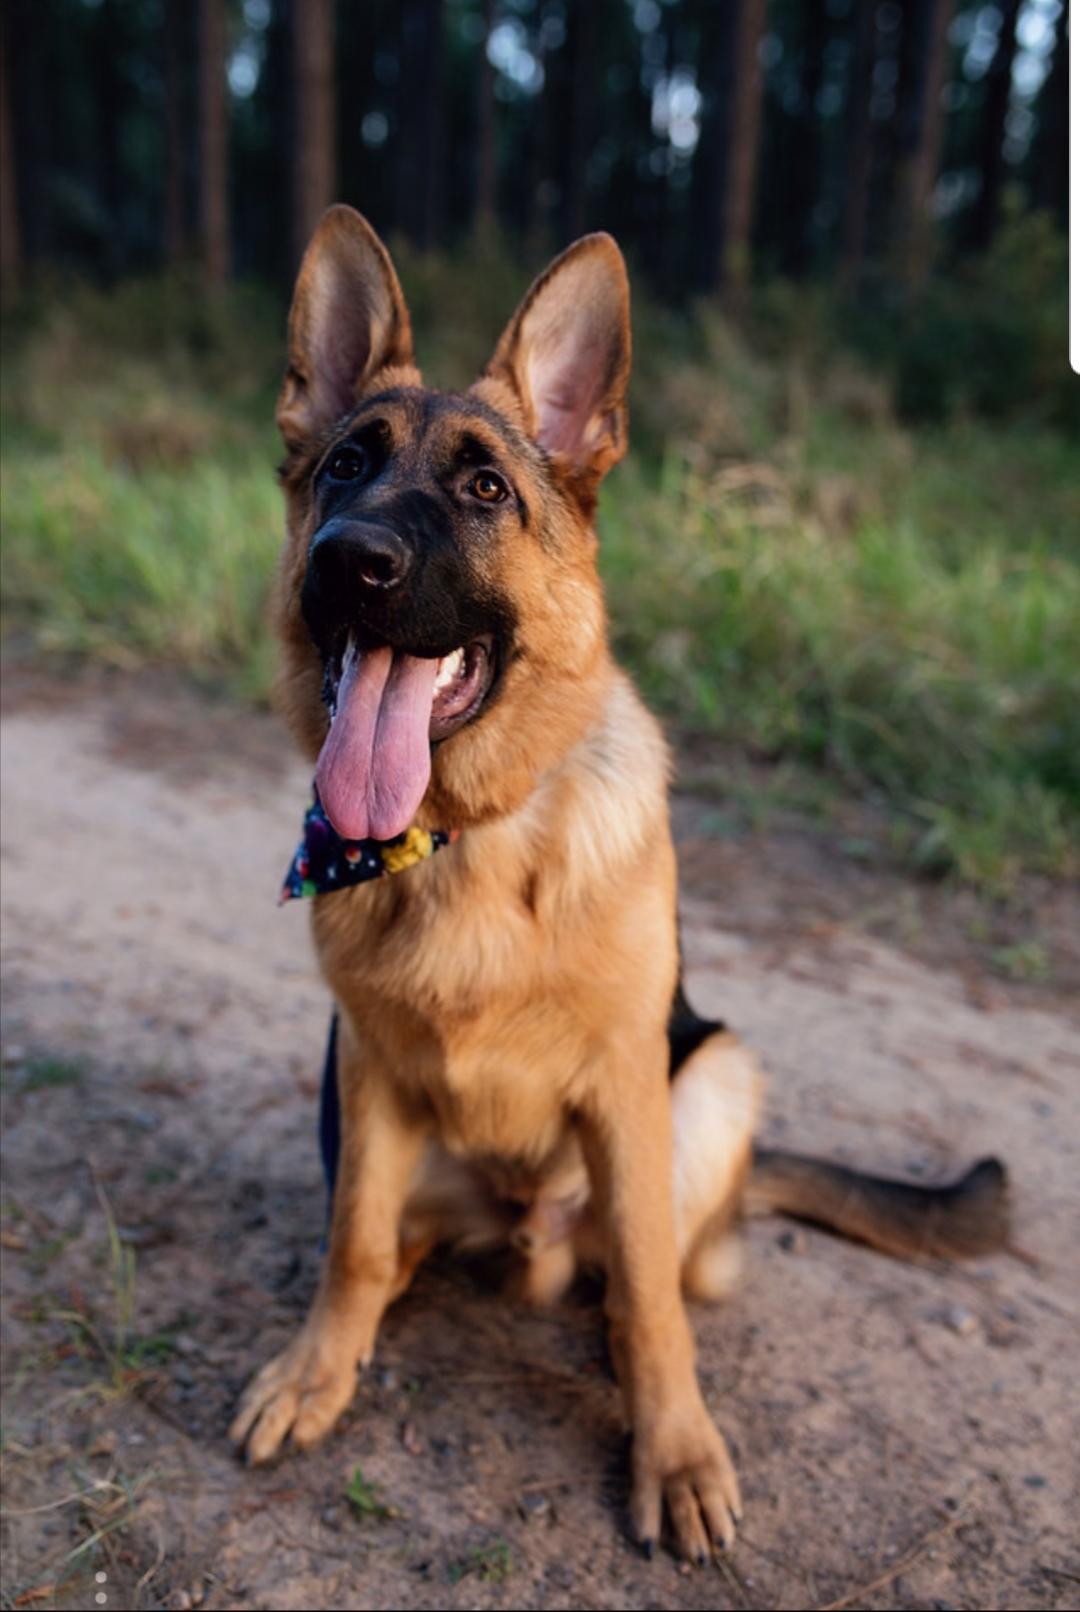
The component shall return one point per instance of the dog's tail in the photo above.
(962, 1220)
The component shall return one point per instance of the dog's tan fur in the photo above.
(503, 1059)
(524, 976)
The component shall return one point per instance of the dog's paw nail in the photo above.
(702, 1558)
(648, 1547)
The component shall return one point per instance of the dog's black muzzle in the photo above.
(395, 575)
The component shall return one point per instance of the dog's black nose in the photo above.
(348, 554)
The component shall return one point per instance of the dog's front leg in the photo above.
(679, 1459)
(303, 1392)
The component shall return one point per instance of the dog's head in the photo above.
(438, 597)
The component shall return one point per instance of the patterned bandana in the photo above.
(324, 861)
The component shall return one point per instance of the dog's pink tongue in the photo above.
(376, 761)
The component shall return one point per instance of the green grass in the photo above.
(789, 569)
(145, 565)
(41, 1074)
(491, 1564)
(947, 681)
(365, 1499)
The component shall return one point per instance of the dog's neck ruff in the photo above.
(324, 862)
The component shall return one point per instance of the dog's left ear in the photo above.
(566, 354)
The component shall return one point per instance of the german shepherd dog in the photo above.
(516, 1062)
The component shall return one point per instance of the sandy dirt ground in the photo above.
(906, 1436)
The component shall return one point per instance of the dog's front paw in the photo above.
(682, 1467)
(300, 1395)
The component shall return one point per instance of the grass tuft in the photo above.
(365, 1499)
(44, 1074)
(491, 1564)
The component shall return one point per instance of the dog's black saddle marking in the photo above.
(686, 1031)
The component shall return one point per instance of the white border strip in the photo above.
(1074, 194)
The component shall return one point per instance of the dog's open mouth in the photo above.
(387, 708)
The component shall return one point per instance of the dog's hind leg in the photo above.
(715, 1099)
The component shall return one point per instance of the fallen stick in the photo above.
(896, 1569)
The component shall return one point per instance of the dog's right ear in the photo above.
(348, 321)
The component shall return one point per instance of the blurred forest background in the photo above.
(846, 542)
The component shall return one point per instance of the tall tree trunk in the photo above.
(110, 97)
(485, 203)
(175, 242)
(742, 159)
(546, 164)
(921, 138)
(279, 82)
(314, 166)
(535, 159)
(213, 144)
(805, 156)
(10, 237)
(420, 165)
(860, 152)
(711, 162)
(1050, 186)
(992, 133)
(26, 26)
(654, 214)
(577, 138)
(725, 178)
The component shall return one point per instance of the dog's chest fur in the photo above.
(492, 982)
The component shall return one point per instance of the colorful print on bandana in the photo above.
(324, 861)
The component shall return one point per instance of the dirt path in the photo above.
(163, 1027)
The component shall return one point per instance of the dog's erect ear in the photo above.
(566, 353)
(348, 320)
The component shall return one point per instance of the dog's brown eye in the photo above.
(488, 487)
(347, 464)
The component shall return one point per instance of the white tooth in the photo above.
(450, 667)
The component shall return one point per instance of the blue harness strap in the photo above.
(330, 1112)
